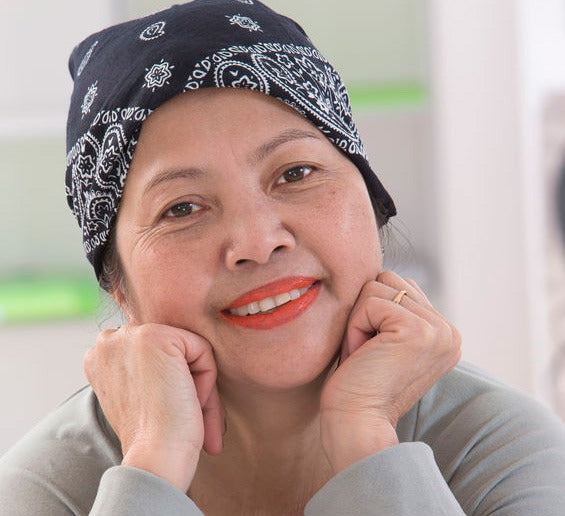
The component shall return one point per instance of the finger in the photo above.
(413, 291)
(368, 317)
(411, 282)
(377, 314)
(417, 294)
(214, 421)
(417, 306)
(201, 363)
(398, 283)
(90, 359)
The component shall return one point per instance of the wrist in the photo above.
(171, 464)
(348, 438)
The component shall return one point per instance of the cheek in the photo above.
(350, 223)
(170, 282)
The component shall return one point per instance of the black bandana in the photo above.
(123, 73)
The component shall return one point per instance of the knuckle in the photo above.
(426, 331)
(386, 277)
(142, 332)
(456, 336)
(368, 290)
(445, 332)
(104, 336)
(145, 335)
(88, 363)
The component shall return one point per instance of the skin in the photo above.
(267, 197)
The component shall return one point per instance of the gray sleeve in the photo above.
(499, 451)
(472, 446)
(69, 464)
(123, 491)
(403, 480)
(127, 491)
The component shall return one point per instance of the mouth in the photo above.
(273, 304)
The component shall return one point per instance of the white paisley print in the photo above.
(88, 99)
(99, 161)
(86, 58)
(157, 76)
(153, 31)
(244, 22)
(308, 83)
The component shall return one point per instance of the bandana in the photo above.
(124, 72)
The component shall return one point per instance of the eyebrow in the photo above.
(260, 154)
(170, 175)
(286, 136)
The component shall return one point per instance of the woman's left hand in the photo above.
(392, 354)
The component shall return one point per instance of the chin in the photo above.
(282, 369)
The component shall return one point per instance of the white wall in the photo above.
(542, 47)
(493, 65)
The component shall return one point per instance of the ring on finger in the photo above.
(399, 297)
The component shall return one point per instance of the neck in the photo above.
(263, 417)
(272, 449)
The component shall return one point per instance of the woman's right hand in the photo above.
(157, 387)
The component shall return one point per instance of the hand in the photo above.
(157, 387)
(392, 354)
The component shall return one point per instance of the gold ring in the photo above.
(399, 297)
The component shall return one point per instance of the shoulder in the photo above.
(62, 457)
(469, 393)
(476, 405)
(492, 442)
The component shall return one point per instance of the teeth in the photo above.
(252, 308)
(294, 294)
(281, 299)
(268, 303)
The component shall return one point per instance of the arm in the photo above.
(403, 480)
(69, 464)
(500, 452)
(123, 491)
(127, 491)
(481, 449)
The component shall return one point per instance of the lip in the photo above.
(280, 315)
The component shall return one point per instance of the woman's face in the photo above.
(235, 203)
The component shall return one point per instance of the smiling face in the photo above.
(242, 223)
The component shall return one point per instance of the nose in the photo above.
(255, 232)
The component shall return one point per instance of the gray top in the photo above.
(470, 446)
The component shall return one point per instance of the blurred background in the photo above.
(462, 108)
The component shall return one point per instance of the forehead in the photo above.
(221, 118)
(222, 103)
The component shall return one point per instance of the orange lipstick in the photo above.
(263, 320)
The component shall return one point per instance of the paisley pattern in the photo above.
(308, 85)
(244, 22)
(158, 75)
(89, 98)
(86, 58)
(154, 31)
(124, 72)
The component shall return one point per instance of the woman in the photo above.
(269, 365)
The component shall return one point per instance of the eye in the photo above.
(182, 209)
(295, 174)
